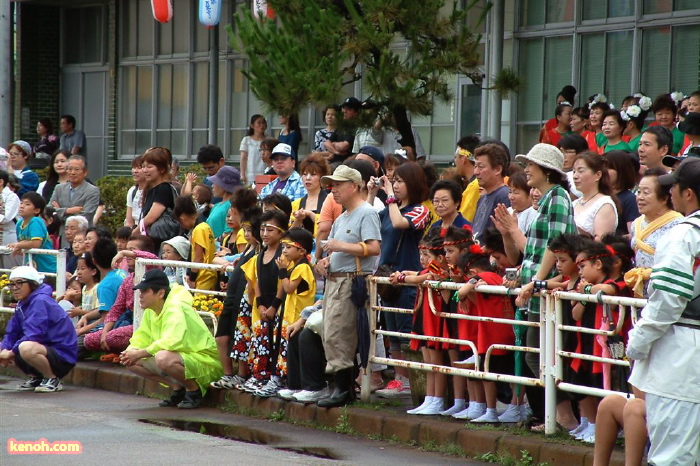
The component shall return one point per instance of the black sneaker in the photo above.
(192, 400)
(30, 384)
(176, 397)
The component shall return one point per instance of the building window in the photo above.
(670, 57)
(83, 36)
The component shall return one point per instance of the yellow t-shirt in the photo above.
(250, 269)
(303, 296)
(202, 235)
(241, 243)
(470, 197)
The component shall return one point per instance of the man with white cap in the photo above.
(352, 244)
(40, 338)
(665, 342)
(288, 181)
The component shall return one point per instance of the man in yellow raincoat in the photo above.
(172, 345)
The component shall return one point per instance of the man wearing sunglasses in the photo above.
(40, 337)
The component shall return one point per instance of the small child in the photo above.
(458, 241)
(268, 300)
(53, 225)
(477, 265)
(122, 237)
(202, 243)
(176, 249)
(425, 322)
(202, 195)
(32, 233)
(73, 297)
(299, 285)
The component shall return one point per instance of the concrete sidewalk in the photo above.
(389, 424)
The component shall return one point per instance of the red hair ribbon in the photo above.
(476, 249)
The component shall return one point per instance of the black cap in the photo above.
(154, 278)
(687, 173)
(374, 152)
(672, 160)
(352, 103)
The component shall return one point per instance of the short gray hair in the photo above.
(79, 157)
(82, 222)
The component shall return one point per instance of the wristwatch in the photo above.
(391, 200)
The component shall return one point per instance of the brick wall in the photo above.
(38, 69)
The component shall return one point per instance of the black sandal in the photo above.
(191, 400)
(175, 398)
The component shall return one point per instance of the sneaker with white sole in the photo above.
(474, 412)
(590, 436)
(421, 407)
(433, 408)
(454, 409)
(310, 396)
(30, 384)
(251, 385)
(580, 428)
(224, 383)
(488, 416)
(512, 414)
(397, 388)
(287, 394)
(585, 432)
(269, 389)
(49, 385)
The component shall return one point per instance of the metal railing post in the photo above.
(550, 385)
(366, 388)
(61, 272)
(139, 271)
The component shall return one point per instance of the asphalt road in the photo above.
(121, 429)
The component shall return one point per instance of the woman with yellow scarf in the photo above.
(656, 219)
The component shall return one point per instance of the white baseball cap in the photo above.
(28, 273)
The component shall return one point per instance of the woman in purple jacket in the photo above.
(40, 337)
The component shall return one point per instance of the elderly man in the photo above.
(77, 196)
(40, 337)
(173, 345)
(665, 343)
(353, 242)
(288, 181)
(75, 224)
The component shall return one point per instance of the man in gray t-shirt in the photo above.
(355, 234)
(72, 140)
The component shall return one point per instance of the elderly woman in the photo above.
(19, 152)
(656, 219)
(595, 212)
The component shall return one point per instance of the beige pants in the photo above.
(339, 324)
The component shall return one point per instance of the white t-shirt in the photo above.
(255, 166)
(9, 230)
(133, 200)
(586, 220)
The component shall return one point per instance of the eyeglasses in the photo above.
(16, 284)
(441, 201)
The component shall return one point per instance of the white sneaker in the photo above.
(488, 416)
(590, 438)
(433, 408)
(585, 432)
(287, 394)
(453, 410)
(397, 388)
(501, 407)
(511, 414)
(307, 396)
(462, 414)
(580, 428)
(523, 413)
(427, 402)
(270, 389)
(474, 412)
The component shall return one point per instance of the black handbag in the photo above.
(166, 227)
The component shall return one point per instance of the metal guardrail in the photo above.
(550, 350)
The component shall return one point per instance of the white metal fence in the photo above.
(60, 271)
(550, 349)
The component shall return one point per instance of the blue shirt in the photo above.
(34, 229)
(107, 289)
(28, 181)
(217, 218)
(399, 247)
(293, 187)
(293, 139)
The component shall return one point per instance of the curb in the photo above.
(355, 421)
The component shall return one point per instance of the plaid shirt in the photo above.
(554, 217)
(294, 188)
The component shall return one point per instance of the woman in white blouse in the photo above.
(595, 212)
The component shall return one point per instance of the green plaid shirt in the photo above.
(555, 216)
